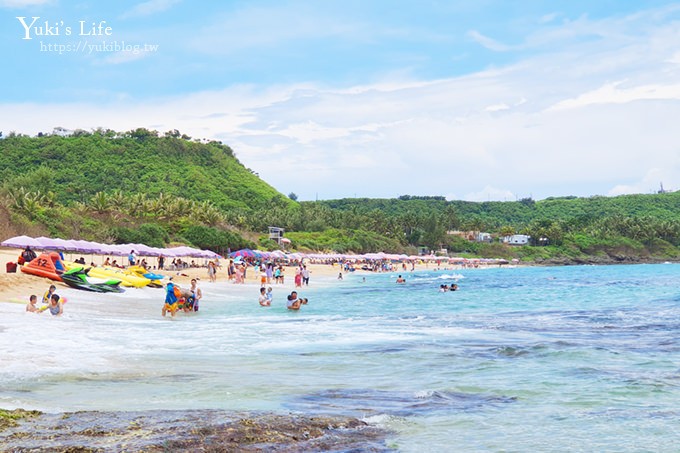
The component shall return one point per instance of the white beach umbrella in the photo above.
(21, 242)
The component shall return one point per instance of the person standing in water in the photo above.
(170, 299)
(263, 300)
(48, 294)
(55, 307)
(31, 307)
(194, 297)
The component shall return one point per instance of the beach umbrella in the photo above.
(211, 255)
(21, 242)
(277, 254)
(244, 253)
(115, 249)
(86, 246)
(143, 250)
(186, 251)
(57, 244)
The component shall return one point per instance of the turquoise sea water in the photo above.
(583, 358)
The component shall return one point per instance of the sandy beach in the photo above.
(20, 285)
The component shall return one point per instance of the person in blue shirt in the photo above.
(170, 299)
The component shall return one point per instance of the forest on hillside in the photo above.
(160, 188)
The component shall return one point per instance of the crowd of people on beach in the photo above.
(187, 301)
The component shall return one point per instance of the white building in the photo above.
(517, 239)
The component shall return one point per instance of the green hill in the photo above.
(493, 215)
(78, 166)
(142, 186)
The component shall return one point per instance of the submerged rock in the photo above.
(196, 430)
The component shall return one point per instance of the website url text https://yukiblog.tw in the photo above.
(85, 47)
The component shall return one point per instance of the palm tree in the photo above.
(100, 202)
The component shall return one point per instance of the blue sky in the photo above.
(483, 100)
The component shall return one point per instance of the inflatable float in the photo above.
(78, 278)
(106, 272)
(140, 271)
(48, 265)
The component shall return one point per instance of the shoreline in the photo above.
(18, 286)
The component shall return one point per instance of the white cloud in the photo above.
(489, 193)
(594, 117)
(488, 42)
(547, 18)
(22, 3)
(254, 27)
(497, 107)
(611, 93)
(654, 180)
(150, 7)
(124, 56)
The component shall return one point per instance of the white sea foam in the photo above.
(451, 277)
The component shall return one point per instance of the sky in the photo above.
(471, 100)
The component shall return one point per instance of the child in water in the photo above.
(31, 307)
(48, 294)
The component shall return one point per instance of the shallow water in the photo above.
(550, 359)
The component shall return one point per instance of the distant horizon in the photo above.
(490, 101)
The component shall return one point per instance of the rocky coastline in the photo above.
(191, 430)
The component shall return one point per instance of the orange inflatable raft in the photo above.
(47, 265)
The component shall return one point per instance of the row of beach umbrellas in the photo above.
(381, 256)
(89, 247)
